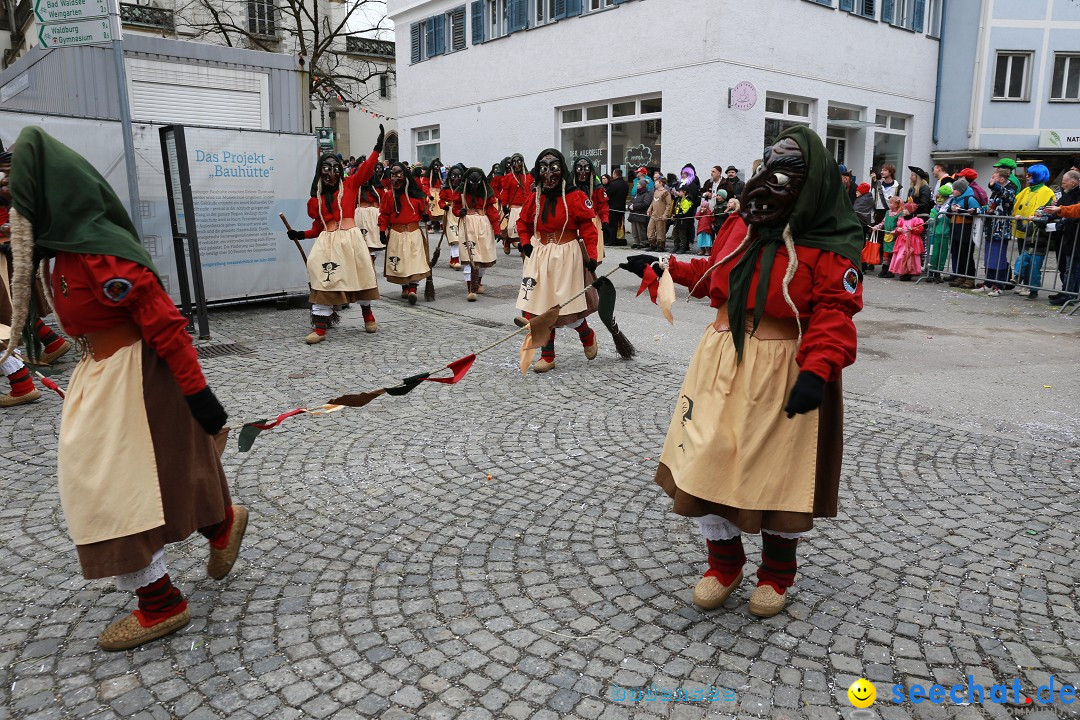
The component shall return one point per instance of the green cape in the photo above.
(823, 218)
(71, 207)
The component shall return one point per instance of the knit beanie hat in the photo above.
(863, 188)
(960, 184)
(945, 190)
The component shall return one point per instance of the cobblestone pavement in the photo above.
(498, 549)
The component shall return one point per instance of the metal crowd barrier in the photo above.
(1029, 256)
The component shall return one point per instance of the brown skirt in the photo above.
(194, 491)
(341, 297)
(710, 450)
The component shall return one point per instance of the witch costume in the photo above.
(403, 211)
(477, 223)
(559, 241)
(137, 462)
(586, 180)
(339, 265)
(756, 439)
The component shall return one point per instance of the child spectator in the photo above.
(1031, 234)
(997, 235)
(658, 212)
(961, 209)
(864, 210)
(704, 228)
(939, 234)
(888, 226)
(907, 253)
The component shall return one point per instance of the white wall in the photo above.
(500, 97)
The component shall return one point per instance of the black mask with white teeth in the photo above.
(769, 196)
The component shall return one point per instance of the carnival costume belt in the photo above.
(476, 212)
(367, 204)
(405, 227)
(560, 238)
(103, 344)
(770, 328)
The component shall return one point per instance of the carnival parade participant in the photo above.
(556, 260)
(585, 179)
(401, 215)
(339, 264)
(516, 186)
(449, 194)
(756, 439)
(433, 176)
(368, 199)
(136, 456)
(907, 252)
(478, 223)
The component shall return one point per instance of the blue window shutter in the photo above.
(888, 11)
(560, 9)
(440, 34)
(517, 15)
(920, 15)
(477, 21)
(847, 5)
(417, 44)
(429, 37)
(573, 8)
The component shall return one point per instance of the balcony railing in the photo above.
(369, 46)
(145, 16)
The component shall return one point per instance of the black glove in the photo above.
(296, 235)
(207, 411)
(605, 228)
(590, 265)
(379, 142)
(637, 264)
(526, 249)
(462, 212)
(384, 237)
(807, 394)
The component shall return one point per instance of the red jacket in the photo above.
(600, 203)
(704, 220)
(515, 188)
(348, 191)
(413, 210)
(79, 284)
(580, 220)
(448, 197)
(826, 288)
(488, 207)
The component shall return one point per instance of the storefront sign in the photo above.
(1059, 139)
(640, 156)
(743, 96)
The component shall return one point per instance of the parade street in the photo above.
(498, 548)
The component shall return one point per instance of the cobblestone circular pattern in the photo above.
(386, 575)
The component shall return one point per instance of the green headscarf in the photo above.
(823, 218)
(70, 206)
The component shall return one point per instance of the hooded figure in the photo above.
(401, 214)
(763, 449)
(339, 266)
(433, 178)
(556, 262)
(136, 458)
(478, 223)
(516, 187)
(450, 192)
(585, 179)
(1031, 235)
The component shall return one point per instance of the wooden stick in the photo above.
(298, 245)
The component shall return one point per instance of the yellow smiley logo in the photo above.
(862, 693)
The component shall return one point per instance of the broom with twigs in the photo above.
(429, 284)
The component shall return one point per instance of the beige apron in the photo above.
(476, 229)
(551, 275)
(339, 262)
(406, 258)
(511, 222)
(433, 204)
(599, 239)
(452, 231)
(367, 221)
(730, 441)
(108, 472)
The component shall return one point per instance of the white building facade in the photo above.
(657, 83)
(1010, 84)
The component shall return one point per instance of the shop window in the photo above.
(890, 140)
(783, 112)
(427, 144)
(622, 132)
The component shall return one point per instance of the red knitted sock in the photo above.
(218, 534)
(21, 382)
(726, 559)
(48, 338)
(778, 564)
(159, 601)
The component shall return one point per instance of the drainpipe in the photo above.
(978, 81)
(940, 55)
